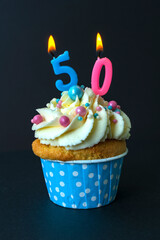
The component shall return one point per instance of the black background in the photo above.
(130, 31)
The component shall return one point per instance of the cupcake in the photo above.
(81, 140)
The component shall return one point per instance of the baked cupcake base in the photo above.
(107, 149)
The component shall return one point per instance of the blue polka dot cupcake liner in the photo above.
(83, 184)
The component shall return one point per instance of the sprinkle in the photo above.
(95, 115)
(80, 118)
(110, 107)
(105, 108)
(82, 86)
(98, 108)
(57, 100)
(87, 104)
(114, 121)
(58, 106)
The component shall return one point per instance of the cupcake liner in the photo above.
(83, 184)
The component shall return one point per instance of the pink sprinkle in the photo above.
(114, 121)
(98, 108)
(81, 111)
(60, 102)
(64, 121)
(118, 112)
(118, 106)
(59, 105)
(37, 119)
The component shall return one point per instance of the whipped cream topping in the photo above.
(96, 126)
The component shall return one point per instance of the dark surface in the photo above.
(27, 213)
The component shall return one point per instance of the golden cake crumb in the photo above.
(109, 148)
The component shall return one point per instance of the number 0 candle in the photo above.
(100, 62)
(58, 69)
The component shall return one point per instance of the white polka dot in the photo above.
(105, 181)
(99, 205)
(117, 187)
(105, 167)
(114, 187)
(75, 173)
(96, 183)
(51, 174)
(87, 190)
(91, 175)
(57, 189)
(115, 165)
(84, 166)
(47, 174)
(71, 196)
(93, 198)
(50, 189)
(61, 173)
(62, 194)
(62, 184)
(74, 206)
(84, 204)
(52, 165)
(100, 191)
(116, 176)
(42, 165)
(82, 194)
(99, 176)
(110, 198)
(62, 163)
(120, 166)
(50, 183)
(78, 184)
(106, 195)
(49, 195)
(55, 197)
(63, 203)
(45, 180)
(71, 164)
(112, 176)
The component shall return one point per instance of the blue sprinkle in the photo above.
(82, 86)
(57, 100)
(95, 115)
(105, 108)
(80, 118)
(117, 110)
(87, 104)
(110, 107)
(61, 93)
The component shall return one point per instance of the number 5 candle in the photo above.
(100, 62)
(58, 69)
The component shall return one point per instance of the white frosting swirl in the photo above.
(81, 134)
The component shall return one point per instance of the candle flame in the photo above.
(99, 44)
(51, 44)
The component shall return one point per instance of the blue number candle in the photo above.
(58, 69)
